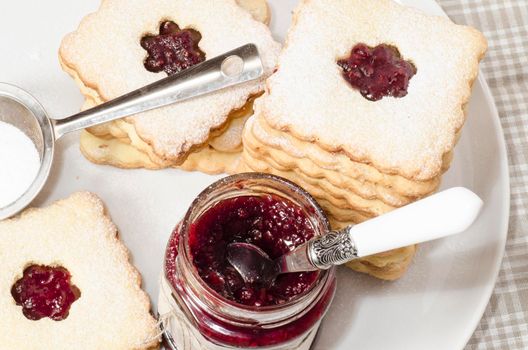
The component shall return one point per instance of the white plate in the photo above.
(435, 306)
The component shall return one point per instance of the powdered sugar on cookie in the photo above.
(112, 311)
(310, 99)
(106, 54)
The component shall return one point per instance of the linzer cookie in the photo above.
(149, 41)
(67, 280)
(365, 109)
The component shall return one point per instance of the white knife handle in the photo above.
(442, 214)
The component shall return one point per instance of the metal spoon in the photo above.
(23, 111)
(442, 214)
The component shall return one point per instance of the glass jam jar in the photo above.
(194, 316)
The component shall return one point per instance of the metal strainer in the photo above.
(22, 110)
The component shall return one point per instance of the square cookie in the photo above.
(382, 83)
(67, 282)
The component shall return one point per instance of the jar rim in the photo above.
(237, 180)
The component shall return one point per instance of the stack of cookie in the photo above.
(129, 44)
(365, 110)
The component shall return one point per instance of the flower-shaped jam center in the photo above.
(45, 291)
(377, 71)
(173, 49)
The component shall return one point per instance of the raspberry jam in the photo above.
(45, 291)
(377, 71)
(173, 49)
(219, 331)
(221, 311)
(272, 223)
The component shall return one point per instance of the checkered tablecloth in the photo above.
(505, 25)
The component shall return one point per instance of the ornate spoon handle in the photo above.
(442, 214)
(334, 248)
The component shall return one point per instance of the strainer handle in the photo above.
(235, 67)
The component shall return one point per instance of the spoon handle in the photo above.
(442, 214)
(237, 66)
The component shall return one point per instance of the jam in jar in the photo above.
(204, 303)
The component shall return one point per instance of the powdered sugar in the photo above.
(309, 98)
(172, 131)
(19, 163)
